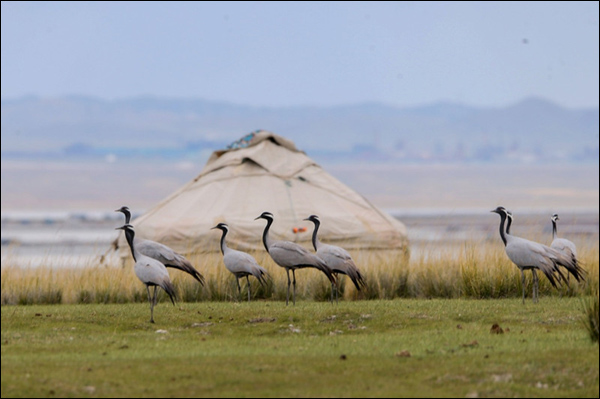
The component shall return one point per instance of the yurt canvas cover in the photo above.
(265, 172)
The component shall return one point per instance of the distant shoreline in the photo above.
(400, 189)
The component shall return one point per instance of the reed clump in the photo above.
(591, 315)
(472, 269)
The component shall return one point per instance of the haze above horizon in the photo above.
(280, 54)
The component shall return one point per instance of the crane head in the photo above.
(125, 211)
(500, 210)
(221, 226)
(265, 215)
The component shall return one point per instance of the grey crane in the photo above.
(565, 247)
(529, 255)
(150, 271)
(239, 263)
(509, 220)
(291, 256)
(573, 267)
(337, 258)
(162, 253)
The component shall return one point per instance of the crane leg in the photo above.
(155, 298)
(331, 299)
(248, 283)
(287, 298)
(523, 284)
(336, 287)
(237, 280)
(151, 304)
(294, 275)
(535, 286)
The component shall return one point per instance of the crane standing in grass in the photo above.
(338, 259)
(291, 256)
(239, 263)
(564, 246)
(150, 271)
(509, 221)
(529, 255)
(162, 253)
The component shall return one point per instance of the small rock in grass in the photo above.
(496, 329)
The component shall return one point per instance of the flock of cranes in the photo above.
(152, 259)
(530, 255)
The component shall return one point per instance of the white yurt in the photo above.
(265, 172)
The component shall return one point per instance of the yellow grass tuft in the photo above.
(472, 270)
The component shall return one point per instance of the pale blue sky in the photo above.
(287, 54)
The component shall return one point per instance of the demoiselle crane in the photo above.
(564, 246)
(291, 256)
(162, 253)
(509, 220)
(337, 258)
(239, 263)
(150, 271)
(567, 254)
(529, 255)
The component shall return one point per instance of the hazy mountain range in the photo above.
(74, 127)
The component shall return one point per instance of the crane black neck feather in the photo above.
(554, 230)
(266, 232)
(129, 235)
(224, 230)
(502, 220)
(317, 223)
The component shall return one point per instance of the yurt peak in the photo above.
(264, 149)
(258, 136)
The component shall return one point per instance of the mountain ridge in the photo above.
(531, 130)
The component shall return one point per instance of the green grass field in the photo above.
(419, 328)
(378, 348)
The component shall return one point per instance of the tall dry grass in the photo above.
(470, 270)
(591, 316)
